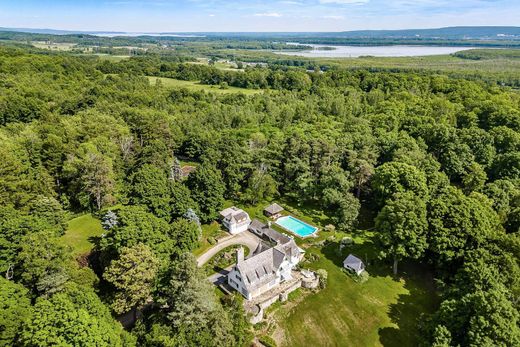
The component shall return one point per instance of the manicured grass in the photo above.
(381, 311)
(209, 230)
(80, 232)
(196, 86)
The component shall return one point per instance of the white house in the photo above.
(266, 267)
(235, 220)
(353, 263)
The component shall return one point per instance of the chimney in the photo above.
(269, 224)
(240, 255)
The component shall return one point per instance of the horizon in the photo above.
(67, 31)
(178, 16)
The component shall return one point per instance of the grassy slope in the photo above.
(209, 230)
(80, 232)
(174, 83)
(381, 311)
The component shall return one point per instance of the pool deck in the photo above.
(314, 234)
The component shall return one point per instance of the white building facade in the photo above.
(235, 220)
(267, 267)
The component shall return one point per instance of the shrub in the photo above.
(211, 240)
(323, 274)
(267, 341)
(330, 227)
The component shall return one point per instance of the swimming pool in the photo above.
(296, 226)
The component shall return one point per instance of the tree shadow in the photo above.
(411, 311)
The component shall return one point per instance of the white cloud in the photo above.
(344, 2)
(335, 17)
(268, 14)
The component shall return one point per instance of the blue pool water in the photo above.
(296, 226)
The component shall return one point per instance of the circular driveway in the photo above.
(245, 238)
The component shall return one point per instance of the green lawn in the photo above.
(196, 86)
(382, 311)
(209, 230)
(80, 232)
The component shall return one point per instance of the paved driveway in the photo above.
(245, 238)
(220, 277)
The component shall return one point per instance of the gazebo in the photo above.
(273, 210)
(353, 263)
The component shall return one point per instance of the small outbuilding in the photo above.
(353, 263)
(273, 210)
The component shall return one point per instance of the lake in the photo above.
(376, 51)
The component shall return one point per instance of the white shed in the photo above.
(353, 263)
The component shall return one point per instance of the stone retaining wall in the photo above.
(257, 310)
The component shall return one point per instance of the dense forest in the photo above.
(435, 158)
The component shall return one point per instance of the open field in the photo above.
(196, 86)
(80, 232)
(54, 46)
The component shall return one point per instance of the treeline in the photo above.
(437, 159)
(195, 41)
(481, 54)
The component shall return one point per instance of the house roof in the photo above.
(273, 208)
(240, 217)
(260, 248)
(260, 269)
(234, 214)
(228, 211)
(354, 263)
(265, 230)
(290, 248)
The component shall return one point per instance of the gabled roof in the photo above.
(289, 248)
(260, 269)
(354, 263)
(240, 217)
(260, 248)
(273, 208)
(265, 230)
(234, 214)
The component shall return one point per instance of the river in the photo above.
(376, 51)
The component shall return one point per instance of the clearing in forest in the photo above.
(80, 233)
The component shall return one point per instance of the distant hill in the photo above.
(448, 33)
(57, 31)
(453, 33)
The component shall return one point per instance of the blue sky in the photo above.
(255, 15)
